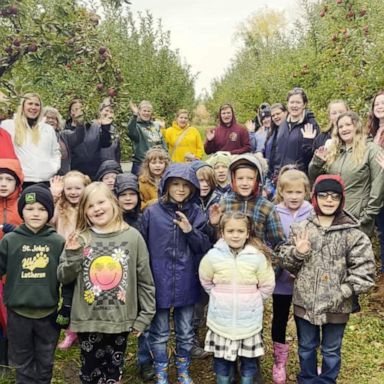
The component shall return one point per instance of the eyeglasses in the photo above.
(325, 195)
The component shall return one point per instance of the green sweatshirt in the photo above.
(113, 279)
(30, 261)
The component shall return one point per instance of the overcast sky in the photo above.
(203, 29)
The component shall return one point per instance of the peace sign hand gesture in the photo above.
(303, 245)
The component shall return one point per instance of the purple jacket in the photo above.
(284, 283)
(174, 255)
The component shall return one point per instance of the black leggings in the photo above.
(281, 306)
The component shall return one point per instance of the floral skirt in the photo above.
(227, 349)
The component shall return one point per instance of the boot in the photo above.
(280, 353)
(222, 379)
(197, 352)
(182, 365)
(379, 294)
(246, 380)
(161, 370)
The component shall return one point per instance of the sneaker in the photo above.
(147, 372)
(69, 340)
(198, 353)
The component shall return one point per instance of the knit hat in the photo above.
(38, 193)
(266, 112)
(328, 183)
(220, 157)
(12, 173)
(126, 181)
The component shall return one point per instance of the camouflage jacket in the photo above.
(340, 263)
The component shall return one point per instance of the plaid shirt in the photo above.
(266, 220)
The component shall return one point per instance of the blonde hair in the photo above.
(63, 205)
(252, 239)
(153, 153)
(333, 102)
(208, 174)
(21, 122)
(181, 111)
(145, 103)
(60, 120)
(287, 176)
(83, 223)
(358, 144)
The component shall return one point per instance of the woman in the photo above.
(87, 156)
(35, 142)
(296, 135)
(353, 157)
(375, 128)
(184, 142)
(67, 139)
(143, 132)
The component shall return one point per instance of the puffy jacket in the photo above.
(6, 146)
(237, 285)
(9, 212)
(175, 255)
(341, 262)
(364, 183)
(291, 147)
(190, 143)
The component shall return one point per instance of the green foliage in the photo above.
(336, 53)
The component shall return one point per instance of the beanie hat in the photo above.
(38, 193)
(126, 181)
(266, 112)
(12, 173)
(328, 183)
(220, 157)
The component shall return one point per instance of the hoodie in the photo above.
(6, 146)
(108, 166)
(9, 213)
(175, 255)
(233, 138)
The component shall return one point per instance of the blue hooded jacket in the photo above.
(175, 255)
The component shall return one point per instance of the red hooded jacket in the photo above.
(6, 145)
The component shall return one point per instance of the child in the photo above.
(155, 163)
(220, 162)
(29, 257)
(107, 173)
(64, 220)
(332, 260)
(292, 189)
(174, 231)
(238, 276)
(114, 292)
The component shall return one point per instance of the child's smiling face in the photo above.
(157, 167)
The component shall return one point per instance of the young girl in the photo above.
(335, 109)
(174, 229)
(237, 274)
(70, 189)
(155, 163)
(292, 190)
(332, 260)
(114, 291)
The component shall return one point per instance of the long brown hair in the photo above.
(252, 239)
(373, 122)
(153, 153)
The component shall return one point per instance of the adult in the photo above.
(143, 132)
(183, 141)
(228, 135)
(34, 141)
(353, 157)
(375, 128)
(335, 109)
(86, 157)
(296, 134)
(67, 139)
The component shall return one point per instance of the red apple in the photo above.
(99, 86)
(339, 1)
(363, 12)
(102, 50)
(112, 92)
(16, 42)
(32, 47)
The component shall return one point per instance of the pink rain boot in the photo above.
(280, 353)
(69, 340)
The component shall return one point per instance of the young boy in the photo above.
(220, 162)
(29, 257)
(332, 260)
(107, 173)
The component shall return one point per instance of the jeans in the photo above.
(309, 341)
(159, 332)
(380, 226)
(248, 366)
(143, 349)
(32, 344)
